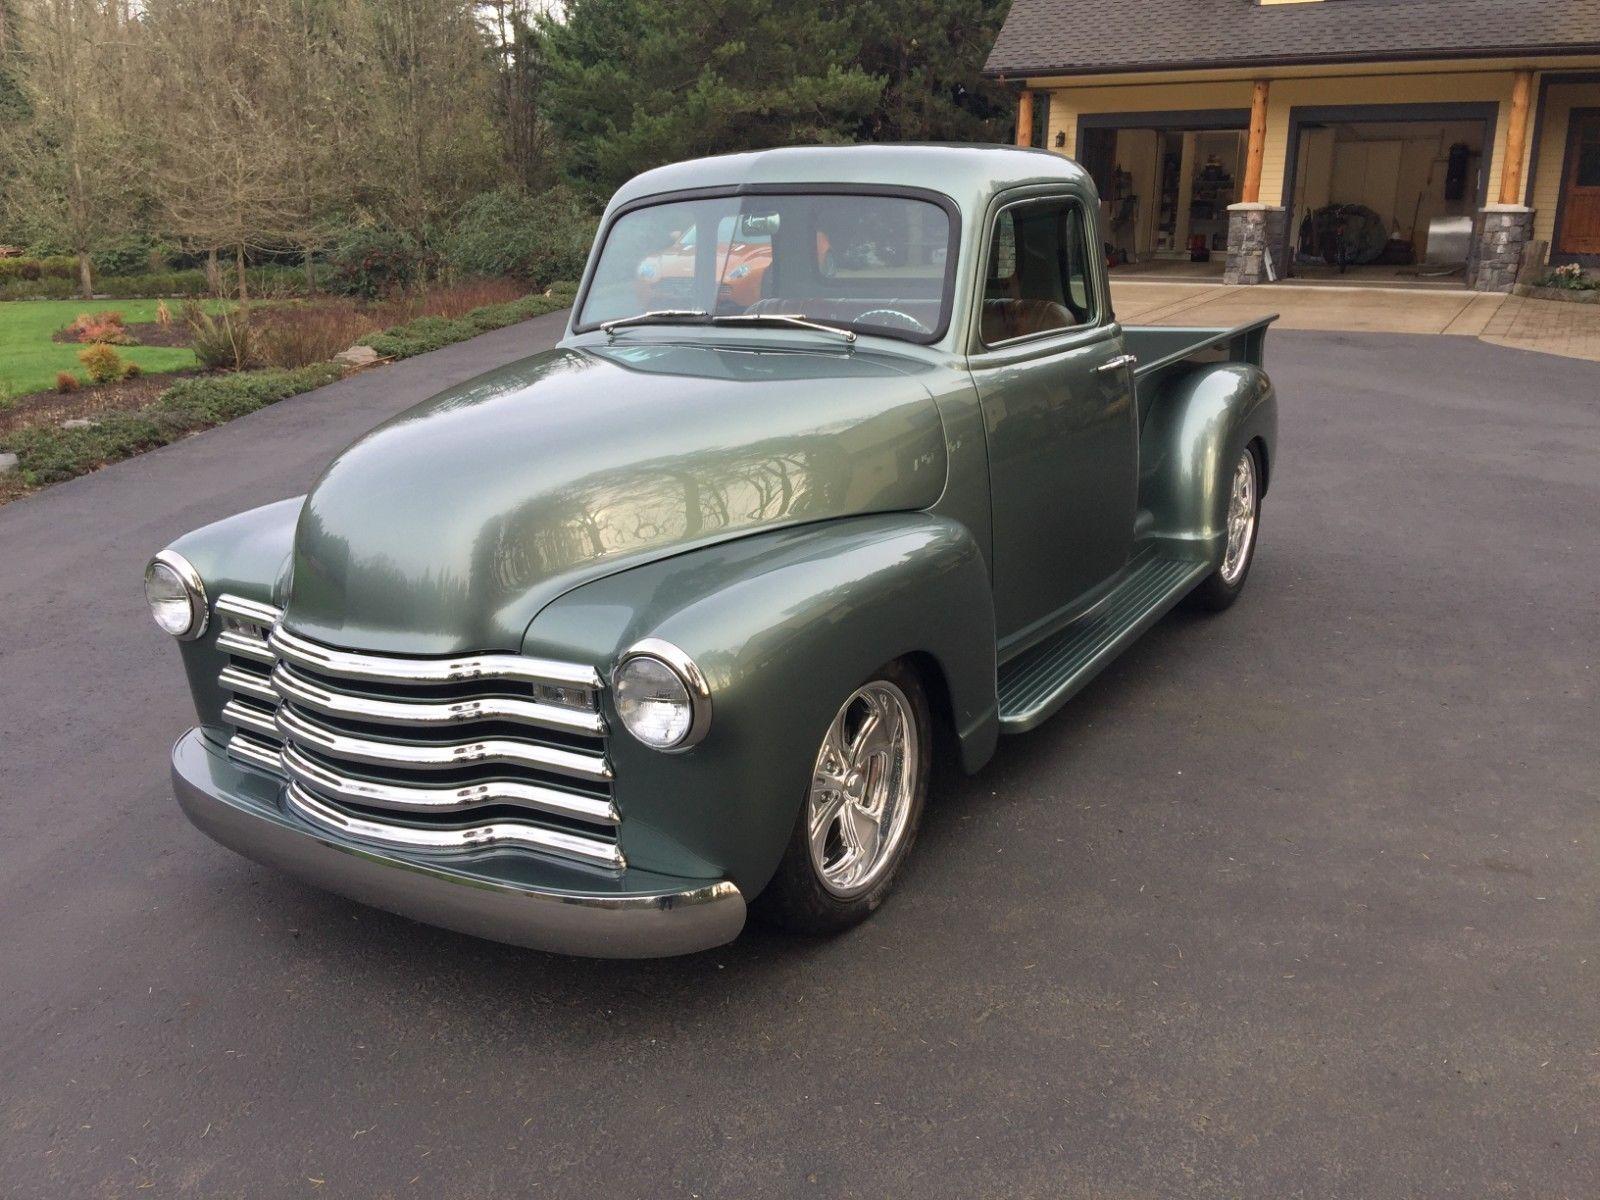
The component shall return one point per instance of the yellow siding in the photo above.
(1394, 89)
(1067, 104)
(1559, 103)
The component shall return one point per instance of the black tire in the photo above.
(1217, 591)
(797, 900)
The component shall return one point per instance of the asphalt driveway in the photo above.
(1299, 900)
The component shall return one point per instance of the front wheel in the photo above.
(862, 807)
(1222, 587)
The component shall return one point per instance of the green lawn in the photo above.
(29, 360)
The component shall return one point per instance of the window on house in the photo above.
(1039, 272)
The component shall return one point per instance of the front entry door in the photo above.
(1059, 416)
(1580, 198)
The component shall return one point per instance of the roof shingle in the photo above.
(1050, 37)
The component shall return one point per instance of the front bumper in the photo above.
(508, 895)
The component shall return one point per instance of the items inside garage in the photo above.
(1396, 194)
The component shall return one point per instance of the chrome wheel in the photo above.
(1241, 519)
(863, 789)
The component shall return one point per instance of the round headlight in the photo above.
(661, 696)
(176, 595)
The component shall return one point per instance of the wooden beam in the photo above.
(1257, 151)
(1516, 137)
(1025, 118)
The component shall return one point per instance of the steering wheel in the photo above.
(896, 318)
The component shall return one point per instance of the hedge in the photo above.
(55, 266)
(434, 333)
(49, 454)
(273, 281)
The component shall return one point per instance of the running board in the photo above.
(1041, 679)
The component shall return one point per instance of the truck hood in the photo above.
(449, 527)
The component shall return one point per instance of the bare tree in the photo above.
(225, 142)
(74, 158)
(427, 81)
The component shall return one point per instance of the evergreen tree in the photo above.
(632, 84)
(930, 54)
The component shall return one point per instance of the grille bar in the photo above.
(247, 683)
(295, 726)
(383, 669)
(249, 612)
(305, 693)
(248, 716)
(257, 753)
(445, 799)
(470, 837)
(245, 645)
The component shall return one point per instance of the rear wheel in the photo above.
(1222, 587)
(862, 807)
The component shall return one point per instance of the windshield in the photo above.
(871, 263)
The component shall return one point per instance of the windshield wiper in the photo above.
(799, 320)
(658, 316)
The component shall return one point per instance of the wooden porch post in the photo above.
(1516, 137)
(1025, 118)
(1258, 144)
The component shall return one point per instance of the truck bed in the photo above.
(1162, 349)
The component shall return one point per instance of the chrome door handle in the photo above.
(1116, 364)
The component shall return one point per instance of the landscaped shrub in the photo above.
(132, 370)
(49, 454)
(222, 343)
(512, 232)
(371, 263)
(67, 382)
(129, 256)
(102, 362)
(297, 335)
(104, 327)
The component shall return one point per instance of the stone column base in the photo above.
(1254, 230)
(1498, 238)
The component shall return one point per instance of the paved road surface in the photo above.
(1301, 900)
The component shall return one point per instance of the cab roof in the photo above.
(968, 174)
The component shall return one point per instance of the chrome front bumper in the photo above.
(507, 896)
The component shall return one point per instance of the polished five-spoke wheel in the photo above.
(862, 789)
(867, 788)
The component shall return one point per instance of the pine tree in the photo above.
(632, 84)
(930, 54)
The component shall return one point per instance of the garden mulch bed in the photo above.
(149, 333)
(45, 408)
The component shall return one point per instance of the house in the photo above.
(1271, 136)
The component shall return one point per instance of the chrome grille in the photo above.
(445, 754)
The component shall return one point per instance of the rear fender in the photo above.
(1192, 438)
(784, 626)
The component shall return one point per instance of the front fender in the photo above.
(784, 626)
(1194, 433)
(246, 555)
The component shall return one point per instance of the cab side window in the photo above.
(1038, 277)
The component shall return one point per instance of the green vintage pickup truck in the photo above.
(844, 464)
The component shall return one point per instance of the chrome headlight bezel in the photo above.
(181, 571)
(689, 676)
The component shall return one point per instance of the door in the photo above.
(1057, 396)
(1580, 197)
